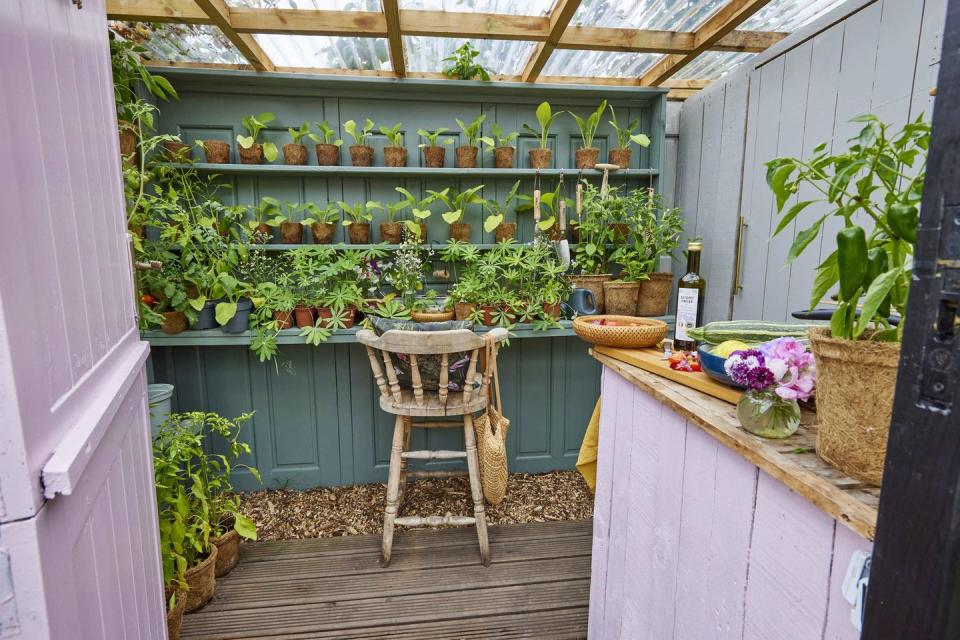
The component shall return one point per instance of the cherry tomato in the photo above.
(148, 300)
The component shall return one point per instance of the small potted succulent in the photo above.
(502, 145)
(321, 221)
(588, 155)
(295, 152)
(357, 218)
(361, 154)
(542, 157)
(496, 214)
(251, 151)
(433, 153)
(466, 155)
(456, 209)
(328, 145)
(395, 154)
(622, 154)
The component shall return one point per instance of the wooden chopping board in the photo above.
(649, 360)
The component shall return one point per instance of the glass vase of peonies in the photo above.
(777, 374)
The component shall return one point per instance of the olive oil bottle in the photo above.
(690, 298)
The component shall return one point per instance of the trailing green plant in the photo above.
(432, 138)
(625, 134)
(254, 124)
(393, 135)
(472, 131)
(297, 135)
(878, 180)
(328, 135)
(359, 135)
(588, 126)
(129, 72)
(358, 212)
(463, 64)
(497, 210)
(545, 118)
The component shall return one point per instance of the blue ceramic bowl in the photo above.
(712, 365)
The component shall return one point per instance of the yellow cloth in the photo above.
(587, 460)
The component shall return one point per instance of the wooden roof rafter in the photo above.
(391, 14)
(560, 16)
(219, 14)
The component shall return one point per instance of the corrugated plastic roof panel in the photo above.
(498, 56)
(329, 5)
(511, 7)
(326, 52)
(599, 64)
(180, 42)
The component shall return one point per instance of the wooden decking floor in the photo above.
(536, 587)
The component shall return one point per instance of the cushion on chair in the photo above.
(429, 365)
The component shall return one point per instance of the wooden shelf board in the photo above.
(307, 170)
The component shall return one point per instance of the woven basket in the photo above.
(431, 316)
(644, 332)
(855, 386)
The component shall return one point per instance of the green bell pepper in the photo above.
(903, 220)
(851, 260)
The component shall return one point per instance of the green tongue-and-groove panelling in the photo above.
(318, 421)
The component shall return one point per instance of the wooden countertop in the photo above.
(793, 461)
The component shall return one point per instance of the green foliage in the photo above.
(463, 64)
(549, 202)
(327, 214)
(472, 131)
(431, 138)
(654, 231)
(328, 135)
(502, 138)
(359, 211)
(297, 135)
(626, 135)
(129, 72)
(359, 135)
(393, 134)
(254, 125)
(877, 180)
(496, 210)
(588, 126)
(545, 118)
(456, 203)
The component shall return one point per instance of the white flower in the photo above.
(777, 367)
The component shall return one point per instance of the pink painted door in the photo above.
(78, 541)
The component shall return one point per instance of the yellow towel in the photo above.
(587, 460)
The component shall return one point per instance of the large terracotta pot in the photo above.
(201, 580)
(655, 294)
(855, 386)
(620, 298)
(595, 284)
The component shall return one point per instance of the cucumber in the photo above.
(747, 331)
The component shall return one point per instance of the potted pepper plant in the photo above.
(656, 230)
(466, 155)
(587, 155)
(394, 154)
(433, 153)
(251, 151)
(622, 154)
(295, 152)
(542, 157)
(357, 218)
(361, 153)
(327, 145)
(874, 188)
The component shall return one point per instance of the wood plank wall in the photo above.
(692, 541)
(867, 56)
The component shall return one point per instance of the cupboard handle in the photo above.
(737, 283)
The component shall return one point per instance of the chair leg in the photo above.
(476, 489)
(393, 487)
(407, 428)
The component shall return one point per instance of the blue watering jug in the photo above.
(582, 302)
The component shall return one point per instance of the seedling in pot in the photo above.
(420, 209)
(393, 134)
(254, 125)
(626, 135)
(360, 212)
(328, 135)
(497, 210)
(545, 118)
(432, 138)
(588, 126)
(501, 138)
(472, 131)
(359, 136)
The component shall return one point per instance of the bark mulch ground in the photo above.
(286, 514)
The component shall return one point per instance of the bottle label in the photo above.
(688, 301)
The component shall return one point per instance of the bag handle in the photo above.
(492, 363)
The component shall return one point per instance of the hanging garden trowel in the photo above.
(605, 183)
(563, 247)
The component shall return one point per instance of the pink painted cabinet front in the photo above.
(693, 542)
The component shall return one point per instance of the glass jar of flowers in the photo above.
(776, 375)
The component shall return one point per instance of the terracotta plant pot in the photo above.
(328, 155)
(587, 157)
(540, 158)
(294, 154)
(349, 316)
(322, 232)
(284, 319)
(201, 580)
(620, 157)
(505, 231)
(177, 151)
(361, 155)
(359, 232)
(324, 314)
(503, 157)
(433, 157)
(489, 312)
(128, 142)
(216, 151)
(620, 231)
(395, 156)
(391, 232)
(855, 387)
(303, 316)
(228, 551)
(175, 614)
(620, 298)
(595, 284)
(462, 310)
(466, 157)
(655, 294)
(174, 322)
(552, 310)
(460, 231)
(253, 155)
(291, 232)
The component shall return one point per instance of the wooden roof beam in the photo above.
(560, 17)
(309, 22)
(220, 16)
(727, 18)
(391, 12)
(180, 11)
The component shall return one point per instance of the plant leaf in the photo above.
(225, 312)
(792, 213)
(878, 290)
(492, 222)
(828, 274)
(803, 239)
(244, 526)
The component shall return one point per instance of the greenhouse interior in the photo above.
(480, 319)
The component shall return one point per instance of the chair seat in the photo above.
(430, 405)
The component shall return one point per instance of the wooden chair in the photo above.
(406, 404)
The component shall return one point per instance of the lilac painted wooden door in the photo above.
(78, 542)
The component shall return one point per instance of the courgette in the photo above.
(750, 331)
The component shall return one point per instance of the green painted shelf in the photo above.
(432, 246)
(215, 337)
(311, 170)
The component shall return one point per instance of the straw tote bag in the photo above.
(491, 429)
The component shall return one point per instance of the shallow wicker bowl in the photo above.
(644, 333)
(431, 316)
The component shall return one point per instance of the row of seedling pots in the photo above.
(500, 143)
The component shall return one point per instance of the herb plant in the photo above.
(463, 64)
